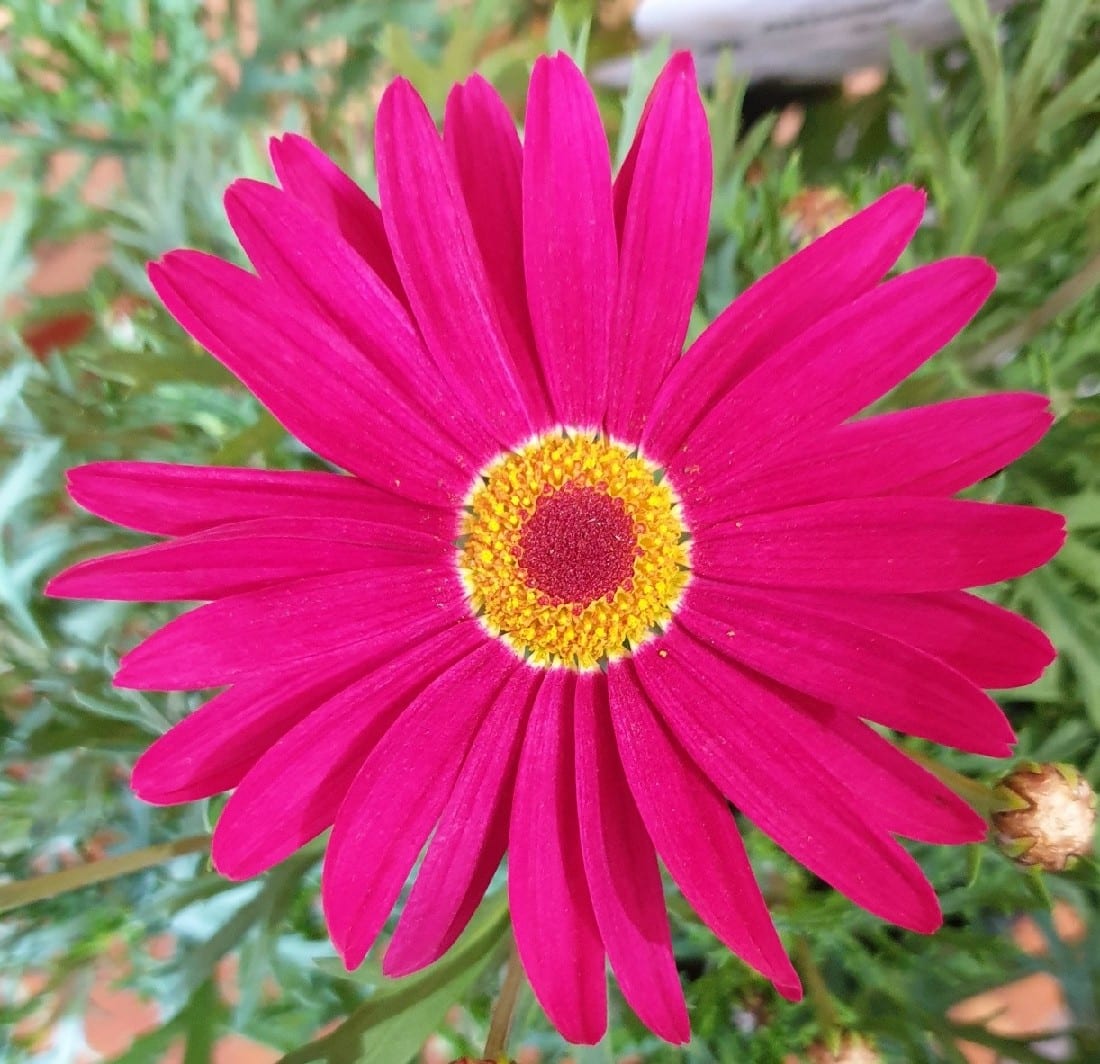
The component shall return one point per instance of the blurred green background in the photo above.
(120, 124)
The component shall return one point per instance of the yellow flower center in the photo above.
(573, 550)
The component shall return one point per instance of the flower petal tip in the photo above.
(681, 64)
(395, 965)
(560, 63)
(790, 989)
(222, 857)
(55, 586)
(675, 1027)
(399, 92)
(133, 675)
(906, 197)
(928, 924)
(147, 784)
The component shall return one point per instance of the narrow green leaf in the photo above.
(980, 30)
(569, 30)
(644, 70)
(398, 1018)
(1055, 31)
(1080, 97)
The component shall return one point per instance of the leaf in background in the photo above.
(1072, 625)
(569, 30)
(398, 1018)
(643, 73)
(1055, 33)
(980, 28)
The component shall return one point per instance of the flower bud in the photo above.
(848, 1049)
(1046, 816)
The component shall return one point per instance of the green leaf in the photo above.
(569, 30)
(644, 70)
(398, 1018)
(1074, 629)
(27, 477)
(1055, 32)
(1081, 511)
(1080, 96)
(980, 29)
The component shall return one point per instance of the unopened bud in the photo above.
(1046, 816)
(847, 1049)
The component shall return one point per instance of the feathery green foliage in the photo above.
(1003, 130)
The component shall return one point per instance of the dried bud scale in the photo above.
(814, 211)
(1045, 816)
(847, 1049)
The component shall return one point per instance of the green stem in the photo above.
(24, 891)
(816, 989)
(500, 1024)
(977, 794)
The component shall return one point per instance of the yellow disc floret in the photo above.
(573, 550)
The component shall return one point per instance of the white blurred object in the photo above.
(795, 40)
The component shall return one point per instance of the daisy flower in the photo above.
(575, 593)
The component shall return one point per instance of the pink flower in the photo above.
(579, 592)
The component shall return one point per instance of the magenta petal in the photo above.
(293, 791)
(825, 691)
(988, 644)
(329, 400)
(174, 500)
(695, 833)
(621, 867)
(888, 544)
(555, 928)
(883, 786)
(481, 136)
(867, 673)
(470, 840)
(664, 236)
(313, 179)
(741, 738)
(368, 614)
(211, 749)
(828, 373)
(253, 554)
(892, 790)
(829, 274)
(339, 292)
(440, 263)
(569, 242)
(931, 450)
(399, 793)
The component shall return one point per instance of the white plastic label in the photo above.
(798, 39)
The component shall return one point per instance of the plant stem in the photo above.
(977, 794)
(24, 891)
(820, 999)
(500, 1024)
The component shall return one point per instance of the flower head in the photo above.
(576, 592)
